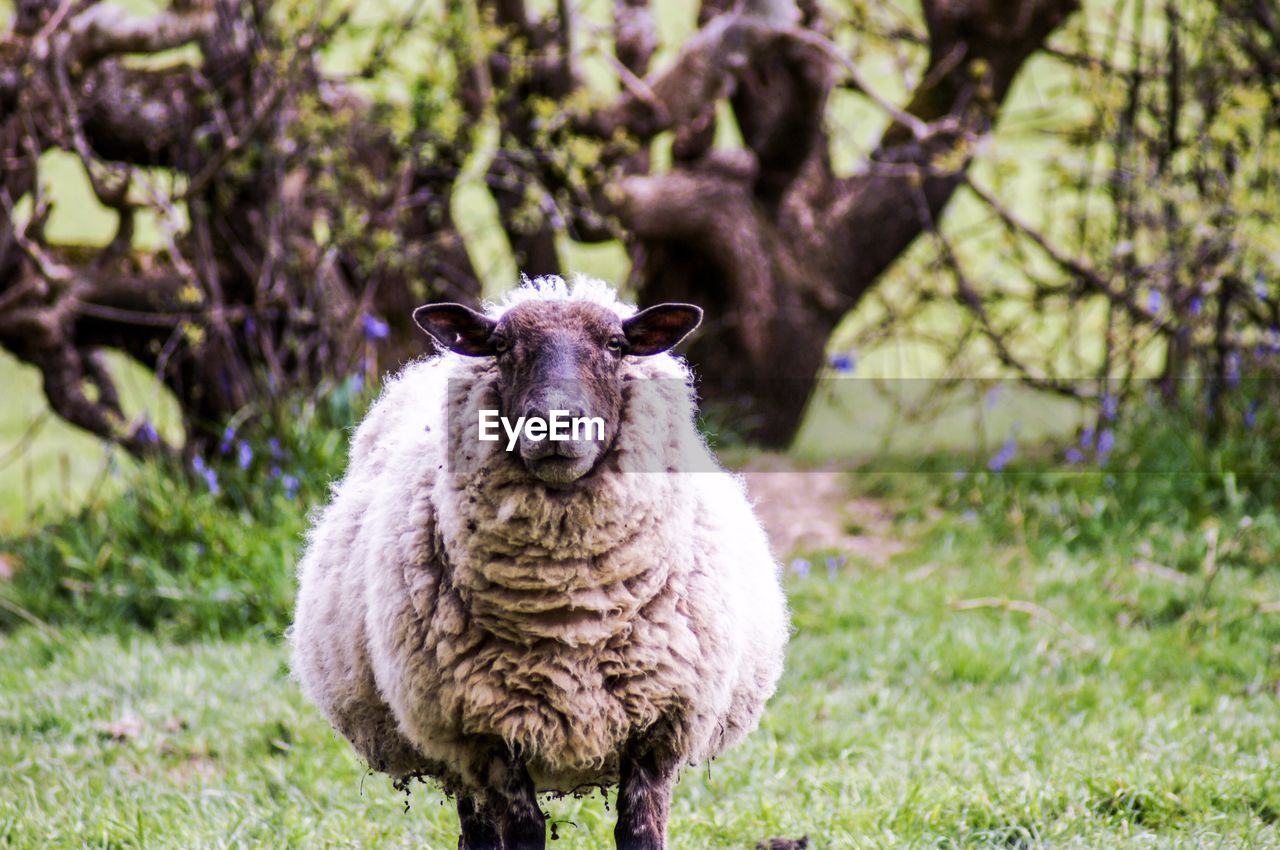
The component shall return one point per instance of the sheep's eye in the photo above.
(615, 343)
(501, 344)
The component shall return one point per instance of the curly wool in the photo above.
(440, 610)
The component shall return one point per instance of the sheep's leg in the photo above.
(644, 799)
(523, 826)
(479, 825)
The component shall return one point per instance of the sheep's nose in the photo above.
(563, 409)
(559, 411)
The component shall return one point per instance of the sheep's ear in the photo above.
(457, 328)
(660, 328)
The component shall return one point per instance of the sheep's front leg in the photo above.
(523, 826)
(509, 817)
(479, 826)
(644, 799)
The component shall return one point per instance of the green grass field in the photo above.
(1120, 709)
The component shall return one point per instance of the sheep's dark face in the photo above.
(559, 360)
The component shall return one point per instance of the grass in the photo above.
(1119, 709)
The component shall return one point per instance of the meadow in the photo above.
(980, 688)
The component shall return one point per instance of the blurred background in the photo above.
(993, 330)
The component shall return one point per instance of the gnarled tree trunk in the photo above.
(768, 239)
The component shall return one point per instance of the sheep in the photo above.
(517, 617)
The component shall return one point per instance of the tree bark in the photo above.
(248, 300)
(771, 243)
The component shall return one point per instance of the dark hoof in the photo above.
(783, 843)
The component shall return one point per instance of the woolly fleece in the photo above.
(447, 602)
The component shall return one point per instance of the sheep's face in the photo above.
(560, 359)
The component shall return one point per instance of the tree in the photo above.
(311, 218)
(767, 238)
(281, 196)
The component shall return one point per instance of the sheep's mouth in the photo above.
(558, 470)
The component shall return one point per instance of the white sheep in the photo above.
(574, 613)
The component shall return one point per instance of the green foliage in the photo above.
(190, 552)
(1163, 489)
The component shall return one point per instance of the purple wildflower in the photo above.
(1155, 301)
(1260, 287)
(146, 433)
(210, 477)
(845, 362)
(1109, 406)
(1251, 415)
(1197, 304)
(1074, 456)
(244, 454)
(273, 445)
(800, 567)
(992, 398)
(290, 485)
(1233, 368)
(1002, 457)
(373, 327)
(1106, 442)
(834, 563)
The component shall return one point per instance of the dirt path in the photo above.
(808, 510)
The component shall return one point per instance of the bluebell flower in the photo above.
(800, 567)
(290, 486)
(250, 326)
(357, 381)
(210, 477)
(992, 398)
(1074, 456)
(1233, 368)
(276, 472)
(834, 563)
(273, 445)
(244, 454)
(1109, 406)
(1197, 304)
(844, 362)
(1260, 287)
(1155, 301)
(1106, 442)
(1251, 415)
(147, 433)
(228, 435)
(373, 327)
(1002, 457)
